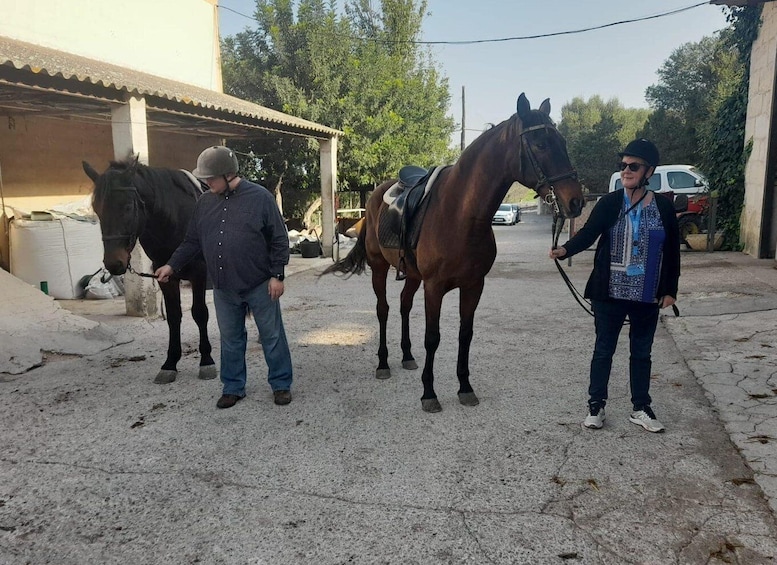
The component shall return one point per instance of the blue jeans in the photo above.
(231, 314)
(609, 316)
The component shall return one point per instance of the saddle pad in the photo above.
(195, 181)
(390, 240)
(392, 193)
(386, 235)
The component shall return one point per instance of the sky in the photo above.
(615, 62)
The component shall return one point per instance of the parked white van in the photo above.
(680, 179)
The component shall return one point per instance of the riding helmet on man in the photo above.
(216, 161)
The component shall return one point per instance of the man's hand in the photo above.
(275, 288)
(163, 273)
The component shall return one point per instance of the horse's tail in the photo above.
(354, 262)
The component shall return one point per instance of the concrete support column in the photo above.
(130, 137)
(328, 155)
(758, 129)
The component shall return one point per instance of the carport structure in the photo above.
(60, 108)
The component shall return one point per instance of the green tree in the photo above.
(362, 72)
(724, 151)
(595, 131)
(692, 82)
(669, 131)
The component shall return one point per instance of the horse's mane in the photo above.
(504, 132)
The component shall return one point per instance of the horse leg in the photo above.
(200, 315)
(469, 298)
(433, 303)
(379, 274)
(171, 292)
(406, 304)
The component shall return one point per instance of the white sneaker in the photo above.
(647, 419)
(595, 418)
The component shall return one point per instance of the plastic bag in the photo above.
(102, 285)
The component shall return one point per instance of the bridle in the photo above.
(137, 204)
(551, 200)
(542, 179)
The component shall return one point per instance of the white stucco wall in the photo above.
(175, 39)
(760, 108)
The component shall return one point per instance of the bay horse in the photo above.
(153, 205)
(456, 246)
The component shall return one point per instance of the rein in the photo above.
(558, 227)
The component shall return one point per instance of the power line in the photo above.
(520, 37)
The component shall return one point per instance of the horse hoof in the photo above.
(468, 399)
(207, 372)
(382, 373)
(165, 376)
(431, 405)
(410, 364)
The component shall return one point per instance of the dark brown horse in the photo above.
(456, 246)
(135, 202)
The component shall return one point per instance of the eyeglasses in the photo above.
(633, 167)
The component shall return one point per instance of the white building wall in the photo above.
(760, 108)
(174, 39)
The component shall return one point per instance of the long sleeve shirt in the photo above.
(240, 233)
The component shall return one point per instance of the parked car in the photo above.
(517, 210)
(685, 181)
(504, 215)
(680, 179)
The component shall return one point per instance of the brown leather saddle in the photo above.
(400, 221)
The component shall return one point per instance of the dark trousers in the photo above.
(609, 316)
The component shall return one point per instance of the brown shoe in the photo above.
(227, 400)
(282, 397)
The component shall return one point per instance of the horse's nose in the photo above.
(115, 266)
(576, 206)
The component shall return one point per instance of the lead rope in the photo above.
(558, 227)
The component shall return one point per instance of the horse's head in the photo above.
(543, 162)
(121, 210)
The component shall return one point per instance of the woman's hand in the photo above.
(666, 301)
(557, 253)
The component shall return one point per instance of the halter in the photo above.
(137, 204)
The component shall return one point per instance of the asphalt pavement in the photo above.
(100, 465)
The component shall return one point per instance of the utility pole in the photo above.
(463, 128)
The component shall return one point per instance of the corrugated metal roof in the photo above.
(52, 63)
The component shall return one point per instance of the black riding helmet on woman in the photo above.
(644, 150)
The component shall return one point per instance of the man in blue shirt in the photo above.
(239, 230)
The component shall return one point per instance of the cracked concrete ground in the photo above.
(100, 465)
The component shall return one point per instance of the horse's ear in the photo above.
(523, 106)
(90, 172)
(545, 107)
